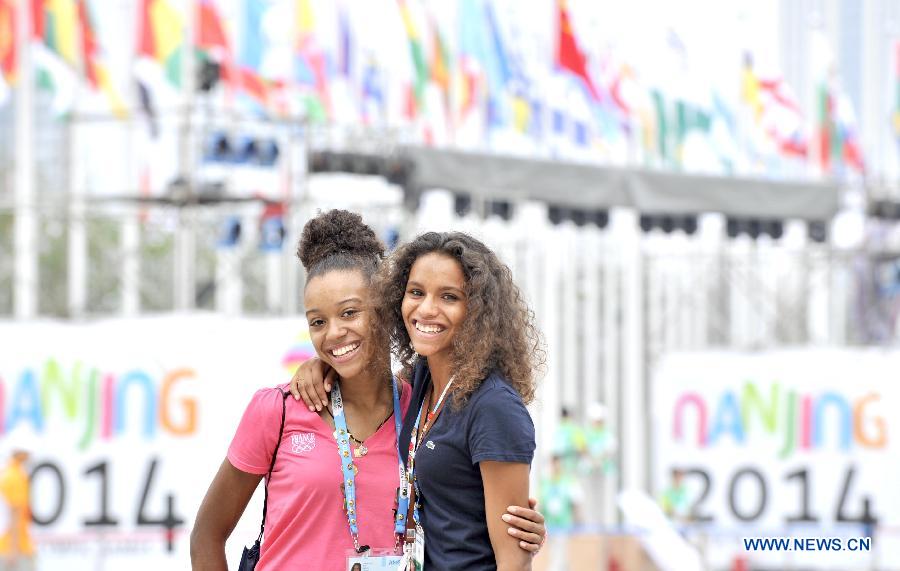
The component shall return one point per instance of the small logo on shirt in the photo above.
(303, 442)
(429, 445)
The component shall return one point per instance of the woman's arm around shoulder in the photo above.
(222, 507)
(505, 484)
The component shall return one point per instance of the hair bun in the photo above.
(337, 232)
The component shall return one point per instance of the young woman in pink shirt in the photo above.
(333, 489)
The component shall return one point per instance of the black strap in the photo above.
(262, 526)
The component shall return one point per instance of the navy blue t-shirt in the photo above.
(493, 425)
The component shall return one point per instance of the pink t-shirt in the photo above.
(306, 527)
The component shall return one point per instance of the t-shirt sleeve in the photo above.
(254, 442)
(500, 429)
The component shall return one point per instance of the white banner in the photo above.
(795, 444)
(128, 421)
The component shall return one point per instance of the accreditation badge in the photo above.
(373, 560)
(419, 550)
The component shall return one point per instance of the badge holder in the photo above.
(375, 559)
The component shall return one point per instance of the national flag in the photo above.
(212, 39)
(470, 71)
(663, 148)
(775, 110)
(210, 32)
(782, 118)
(56, 51)
(440, 61)
(94, 71)
(250, 57)
(8, 39)
(161, 37)
(498, 68)
(569, 56)
(838, 136)
(417, 54)
(895, 116)
(55, 25)
(827, 132)
(311, 66)
(851, 150)
(8, 50)
(345, 46)
(373, 96)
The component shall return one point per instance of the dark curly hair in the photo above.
(498, 333)
(339, 240)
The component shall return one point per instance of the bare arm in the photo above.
(505, 484)
(312, 382)
(220, 511)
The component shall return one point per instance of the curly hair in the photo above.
(339, 240)
(498, 333)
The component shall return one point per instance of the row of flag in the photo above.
(478, 83)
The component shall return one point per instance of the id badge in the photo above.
(419, 550)
(373, 560)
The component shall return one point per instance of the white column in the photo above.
(549, 320)
(184, 257)
(685, 266)
(76, 278)
(228, 284)
(529, 220)
(634, 422)
(589, 316)
(131, 263)
(274, 284)
(185, 237)
(131, 227)
(793, 247)
(654, 272)
(710, 237)
(568, 294)
(819, 292)
(766, 315)
(25, 288)
(611, 262)
(740, 250)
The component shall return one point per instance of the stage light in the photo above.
(754, 227)
(774, 228)
(817, 231)
(667, 223)
(579, 217)
(462, 204)
(500, 208)
(732, 228)
(600, 218)
(557, 214)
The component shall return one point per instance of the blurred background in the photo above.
(699, 199)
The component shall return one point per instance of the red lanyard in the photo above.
(414, 442)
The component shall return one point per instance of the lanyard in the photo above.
(348, 468)
(414, 445)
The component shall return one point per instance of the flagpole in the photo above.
(25, 243)
(130, 225)
(77, 246)
(185, 246)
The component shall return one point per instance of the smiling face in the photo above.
(434, 305)
(337, 313)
